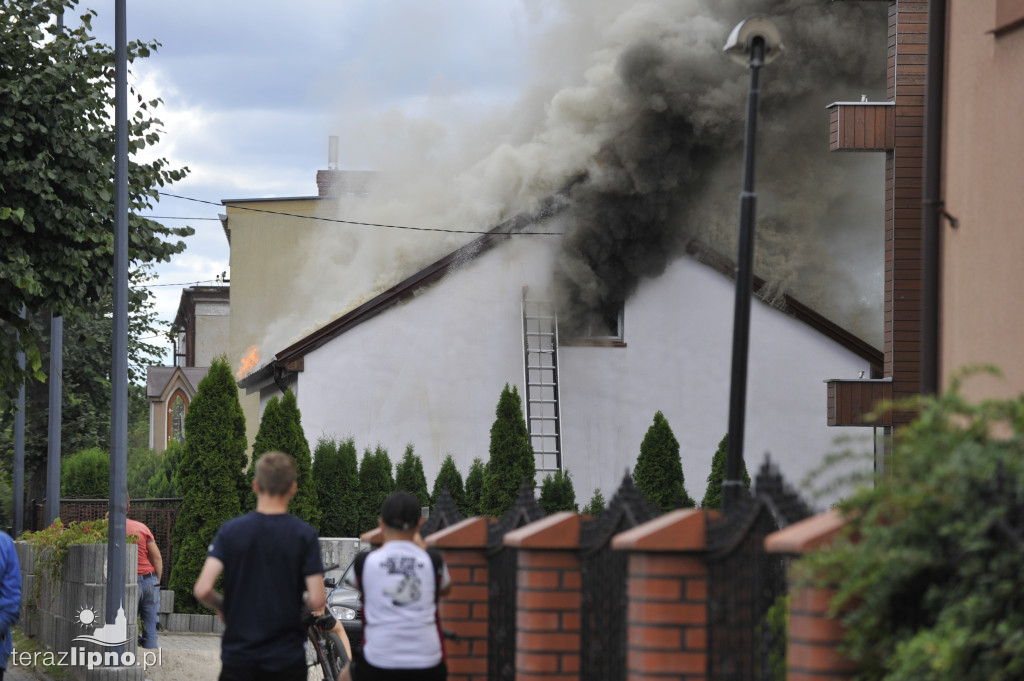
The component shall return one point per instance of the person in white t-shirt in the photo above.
(400, 583)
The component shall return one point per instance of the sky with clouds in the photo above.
(474, 105)
(252, 89)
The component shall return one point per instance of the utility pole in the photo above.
(116, 539)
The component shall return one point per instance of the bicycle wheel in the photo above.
(336, 651)
(314, 668)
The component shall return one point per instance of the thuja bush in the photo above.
(85, 474)
(474, 485)
(449, 478)
(659, 470)
(375, 484)
(597, 503)
(210, 476)
(557, 493)
(713, 493)
(409, 476)
(930, 564)
(512, 458)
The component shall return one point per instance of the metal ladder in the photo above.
(540, 364)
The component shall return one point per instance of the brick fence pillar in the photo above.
(548, 598)
(464, 610)
(667, 591)
(814, 637)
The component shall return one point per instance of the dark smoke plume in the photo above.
(671, 170)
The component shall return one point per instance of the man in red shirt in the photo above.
(151, 566)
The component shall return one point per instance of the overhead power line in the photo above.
(354, 222)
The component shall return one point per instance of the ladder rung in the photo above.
(540, 333)
(542, 316)
(543, 418)
(541, 351)
(542, 385)
(543, 401)
(539, 367)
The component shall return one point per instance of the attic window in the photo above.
(601, 329)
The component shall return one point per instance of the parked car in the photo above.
(346, 606)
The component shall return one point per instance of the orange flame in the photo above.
(249, 361)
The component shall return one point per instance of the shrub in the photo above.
(86, 474)
(557, 494)
(930, 565)
(659, 470)
(210, 475)
(163, 483)
(281, 430)
(142, 465)
(597, 503)
(450, 479)
(713, 493)
(375, 484)
(351, 499)
(511, 456)
(474, 485)
(409, 476)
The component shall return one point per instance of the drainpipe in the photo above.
(933, 208)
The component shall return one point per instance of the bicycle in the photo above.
(325, 653)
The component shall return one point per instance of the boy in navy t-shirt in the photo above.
(272, 567)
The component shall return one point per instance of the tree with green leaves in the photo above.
(597, 503)
(474, 486)
(56, 161)
(713, 493)
(449, 478)
(928, 571)
(659, 470)
(337, 486)
(85, 474)
(557, 493)
(281, 430)
(511, 456)
(85, 384)
(409, 476)
(375, 484)
(210, 473)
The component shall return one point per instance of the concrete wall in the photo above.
(984, 143)
(430, 371)
(55, 617)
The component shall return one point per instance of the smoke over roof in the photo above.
(637, 99)
(670, 167)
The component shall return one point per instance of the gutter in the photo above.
(933, 207)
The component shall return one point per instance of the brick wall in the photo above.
(814, 636)
(464, 610)
(548, 598)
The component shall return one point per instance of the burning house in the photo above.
(603, 292)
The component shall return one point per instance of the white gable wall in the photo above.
(429, 372)
(677, 359)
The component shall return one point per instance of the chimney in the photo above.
(332, 152)
(335, 182)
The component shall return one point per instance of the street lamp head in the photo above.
(740, 45)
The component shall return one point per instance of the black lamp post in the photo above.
(754, 42)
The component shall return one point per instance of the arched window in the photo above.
(176, 410)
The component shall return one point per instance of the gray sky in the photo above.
(252, 89)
